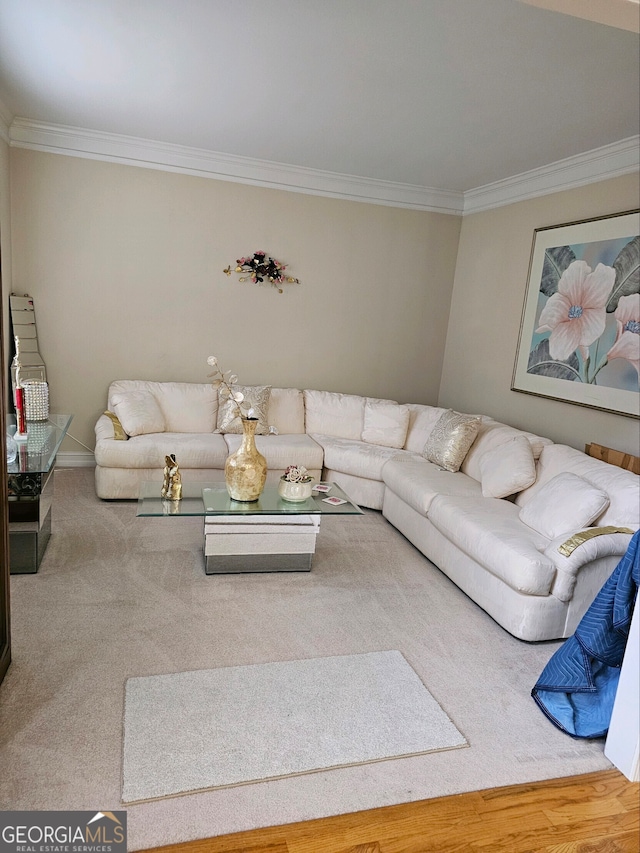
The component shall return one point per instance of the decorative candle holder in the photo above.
(36, 399)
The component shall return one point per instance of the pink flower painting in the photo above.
(580, 333)
(576, 314)
(627, 342)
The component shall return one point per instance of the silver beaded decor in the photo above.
(36, 399)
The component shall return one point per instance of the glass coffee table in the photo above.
(267, 535)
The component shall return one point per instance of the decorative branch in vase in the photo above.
(222, 382)
(245, 471)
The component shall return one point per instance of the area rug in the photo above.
(193, 731)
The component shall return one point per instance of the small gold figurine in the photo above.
(172, 483)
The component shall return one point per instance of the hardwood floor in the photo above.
(594, 813)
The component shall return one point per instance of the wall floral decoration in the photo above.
(259, 268)
(580, 332)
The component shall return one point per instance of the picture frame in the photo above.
(579, 339)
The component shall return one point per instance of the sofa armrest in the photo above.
(603, 544)
(108, 426)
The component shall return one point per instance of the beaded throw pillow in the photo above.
(255, 396)
(450, 440)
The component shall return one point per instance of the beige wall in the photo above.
(125, 267)
(486, 308)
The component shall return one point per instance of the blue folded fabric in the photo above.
(577, 688)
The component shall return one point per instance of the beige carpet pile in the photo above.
(213, 728)
(121, 597)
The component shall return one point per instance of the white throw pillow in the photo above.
(333, 413)
(450, 440)
(422, 420)
(255, 397)
(385, 424)
(507, 469)
(566, 504)
(286, 411)
(138, 412)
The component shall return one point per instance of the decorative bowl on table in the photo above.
(295, 484)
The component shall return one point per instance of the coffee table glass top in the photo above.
(218, 502)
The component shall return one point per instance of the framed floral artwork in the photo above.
(580, 331)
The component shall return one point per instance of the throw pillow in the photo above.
(286, 411)
(118, 431)
(508, 468)
(450, 440)
(333, 413)
(138, 412)
(422, 420)
(563, 505)
(256, 397)
(385, 424)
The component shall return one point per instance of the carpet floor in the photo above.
(119, 597)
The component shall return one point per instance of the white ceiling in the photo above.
(446, 94)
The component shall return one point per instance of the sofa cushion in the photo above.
(364, 492)
(417, 482)
(331, 413)
(254, 396)
(280, 451)
(450, 440)
(286, 410)
(186, 406)
(193, 450)
(623, 487)
(138, 412)
(422, 420)
(566, 503)
(385, 424)
(355, 457)
(507, 469)
(492, 434)
(490, 532)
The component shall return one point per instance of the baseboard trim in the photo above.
(75, 459)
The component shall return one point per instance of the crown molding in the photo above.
(133, 151)
(609, 161)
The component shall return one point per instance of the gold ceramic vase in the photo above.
(245, 471)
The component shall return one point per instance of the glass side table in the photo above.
(30, 489)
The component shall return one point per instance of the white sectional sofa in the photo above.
(493, 527)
